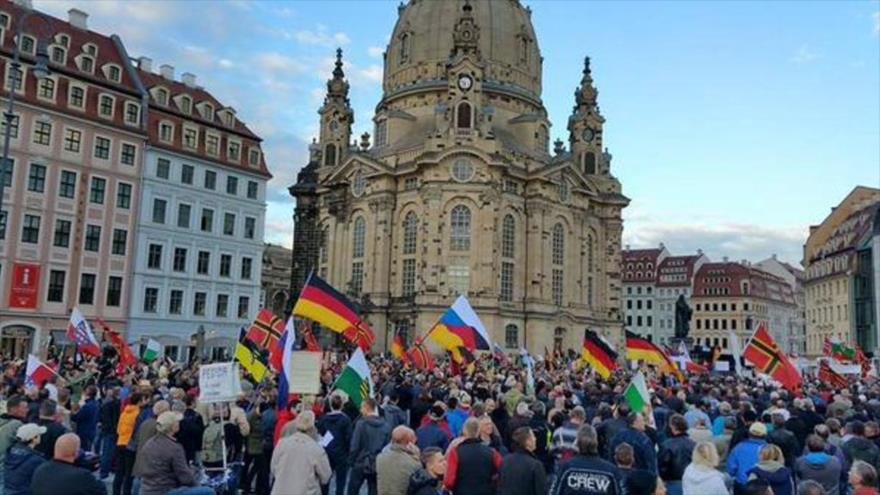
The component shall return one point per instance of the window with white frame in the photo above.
(102, 148)
(166, 132)
(46, 89)
(14, 124)
(76, 97)
(72, 140)
(132, 113)
(42, 133)
(212, 144)
(14, 78)
(114, 73)
(86, 64)
(161, 95)
(558, 258)
(460, 235)
(185, 104)
(459, 275)
(254, 157)
(28, 44)
(190, 137)
(511, 336)
(233, 153)
(105, 106)
(58, 55)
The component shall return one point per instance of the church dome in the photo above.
(422, 43)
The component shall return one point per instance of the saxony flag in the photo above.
(355, 379)
(636, 393)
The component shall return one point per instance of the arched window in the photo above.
(330, 155)
(410, 233)
(558, 244)
(405, 41)
(508, 237)
(357, 238)
(464, 116)
(511, 336)
(460, 238)
(590, 253)
(589, 162)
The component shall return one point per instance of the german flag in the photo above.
(321, 303)
(265, 330)
(420, 357)
(598, 354)
(763, 352)
(639, 349)
(831, 377)
(398, 347)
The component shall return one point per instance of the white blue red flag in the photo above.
(287, 341)
(37, 372)
(80, 333)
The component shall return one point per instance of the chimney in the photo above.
(188, 79)
(662, 246)
(699, 252)
(627, 248)
(77, 18)
(167, 71)
(145, 64)
(726, 259)
(774, 256)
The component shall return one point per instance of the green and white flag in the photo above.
(355, 379)
(152, 351)
(636, 393)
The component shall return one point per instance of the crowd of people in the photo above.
(494, 429)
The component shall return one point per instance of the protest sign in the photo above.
(306, 373)
(219, 383)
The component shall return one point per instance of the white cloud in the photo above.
(372, 74)
(321, 37)
(804, 55)
(225, 63)
(278, 64)
(375, 51)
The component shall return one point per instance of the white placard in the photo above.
(305, 373)
(219, 382)
(722, 366)
(326, 439)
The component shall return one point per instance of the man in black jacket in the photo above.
(587, 473)
(108, 419)
(61, 475)
(783, 438)
(339, 425)
(371, 434)
(521, 472)
(473, 466)
(54, 429)
(675, 454)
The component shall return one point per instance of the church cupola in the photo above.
(466, 36)
(585, 126)
(337, 117)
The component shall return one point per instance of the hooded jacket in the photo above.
(821, 468)
(20, 464)
(742, 458)
(339, 425)
(423, 483)
(862, 449)
(702, 480)
(776, 475)
(371, 434)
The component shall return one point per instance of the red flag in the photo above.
(311, 342)
(764, 353)
(826, 348)
(126, 356)
(37, 372)
(420, 357)
(831, 377)
(863, 361)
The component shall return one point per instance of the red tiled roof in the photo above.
(726, 279)
(639, 265)
(673, 266)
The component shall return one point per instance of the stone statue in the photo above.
(683, 314)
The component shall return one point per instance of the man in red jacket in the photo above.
(473, 467)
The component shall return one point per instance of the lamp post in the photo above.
(40, 70)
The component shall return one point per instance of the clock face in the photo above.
(465, 83)
(589, 134)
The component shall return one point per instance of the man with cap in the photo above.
(164, 469)
(62, 475)
(10, 422)
(745, 456)
(23, 459)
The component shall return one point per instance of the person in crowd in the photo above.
(783, 438)
(834, 436)
(643, 447)
(370, 435)
(757, 487)
(394, 415)
(745, 456)
(859, 448)
(701, 477)
(724, 412)
(810, 487)
(610, 427)
(144, 433)
(521, 472)
(299, 463)
(522, 417)
(125, 430)
(675, 453)
(23, 459)
(698, 412)
(624, 459)
(192, 427)
(722, 442)
(459, 411)
(472, 466)
(49, 419)
(397, 462)
(162, 461)
(700, 432)
(772, 470)
(538, 424)
(338, 425)
(253, 447)
(86, 417)
(489, 435)
(817, 465)
(10, 422)
(431, 433)
(429, 479)
(747, 418)
(862, 478)
(62, 476)
(563, 446)
(587, 465)
(108, 419)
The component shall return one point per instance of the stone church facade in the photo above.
(459, 191)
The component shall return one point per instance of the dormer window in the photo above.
(63, 40)
(91, 49)
(190, 137)
(86, 64)
(405, 47)
(4, 20)
(228, 119)
(186, 104)
(28, 44)
(207, 111)
(161, 96)
(212, 144)
(233, 153)
(112, 72)
(59, 55)
(254, 157)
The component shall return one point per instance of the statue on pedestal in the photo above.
(683, 314)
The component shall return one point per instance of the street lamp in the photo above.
(40, 70)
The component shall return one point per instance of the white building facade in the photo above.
(675, 278)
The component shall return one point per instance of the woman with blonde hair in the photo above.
(771, 470)
(701, 476)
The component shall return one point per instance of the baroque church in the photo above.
(458, 192)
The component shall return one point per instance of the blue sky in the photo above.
(733, 125)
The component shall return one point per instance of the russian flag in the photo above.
(287, 342)
(37, 372)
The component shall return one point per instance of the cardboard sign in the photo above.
(305, 372)
(219, 383)
(25, 285)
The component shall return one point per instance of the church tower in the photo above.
(585, 126)
(337, 118)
